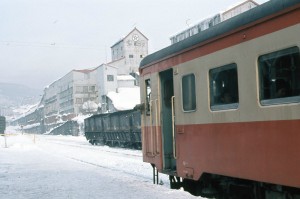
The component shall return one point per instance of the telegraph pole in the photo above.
(5, 142)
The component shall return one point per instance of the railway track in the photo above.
(125, 161)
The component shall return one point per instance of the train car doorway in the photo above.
(167, 111)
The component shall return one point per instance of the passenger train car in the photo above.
(221, 109)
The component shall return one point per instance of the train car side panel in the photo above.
(150, 120)
(224, 117)
(258, 151)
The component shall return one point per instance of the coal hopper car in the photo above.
(122, 128)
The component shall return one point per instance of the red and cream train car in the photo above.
(221, 109)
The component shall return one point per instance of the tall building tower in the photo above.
(128, 52)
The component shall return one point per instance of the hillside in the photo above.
(15, 95)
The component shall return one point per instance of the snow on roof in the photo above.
(126, 98)
(125, 77)
(25, 109)
(229, 8)
(191, 25)
(239, 3)
(85, 70)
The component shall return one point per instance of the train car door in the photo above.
(167, 120)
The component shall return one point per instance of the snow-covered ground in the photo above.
(45, 166)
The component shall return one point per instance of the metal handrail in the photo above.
(173, 127)
(156, 127)
(151, 126)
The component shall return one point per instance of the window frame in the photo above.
(182, 93)
(148, 96)
(268, 56)
(228, 106)
(110, 78)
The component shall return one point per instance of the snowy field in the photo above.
(45, 166)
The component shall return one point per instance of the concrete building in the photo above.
(106, 79)
(128, 52)
(86, 91)
(64, 98)
(80, 91)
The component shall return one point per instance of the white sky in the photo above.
(42, 40)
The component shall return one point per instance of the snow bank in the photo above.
(125, 98)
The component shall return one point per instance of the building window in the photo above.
(92, 88)
(85, 89)
(188, 93)
(78, 101)
(110, 78)
(130, 56)
(141, 56)
(79, 89)
(148, 95)
(224, 87)
(279, 74)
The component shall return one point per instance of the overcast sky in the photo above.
(42, 40)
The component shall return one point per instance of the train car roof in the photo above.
(259, 12)
(112, 114)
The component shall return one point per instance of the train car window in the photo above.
(279, 74)
(224, 87)
(188, 93)
(148, 95)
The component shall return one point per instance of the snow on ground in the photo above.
(44, 166)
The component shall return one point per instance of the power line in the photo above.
(47, 45)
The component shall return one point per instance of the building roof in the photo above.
(116, 60)
(122, 39)
(85, 70)
(108, 64)
(125, 77)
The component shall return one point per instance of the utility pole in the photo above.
(5, 145)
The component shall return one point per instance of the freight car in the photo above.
(222, 108)
(122, 128)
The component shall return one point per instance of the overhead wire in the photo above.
(47, 45)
